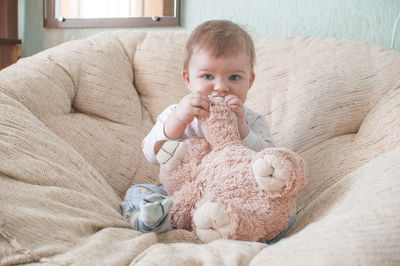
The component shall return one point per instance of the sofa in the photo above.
(72, 119)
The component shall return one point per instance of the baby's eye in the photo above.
(234, 77)
(208, 77)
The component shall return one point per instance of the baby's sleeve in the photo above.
(156, 134)
(259, 136)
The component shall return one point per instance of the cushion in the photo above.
(73, 118)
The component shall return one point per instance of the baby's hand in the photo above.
(236, 105)
(193, 104)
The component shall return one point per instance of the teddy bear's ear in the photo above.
(214, 99)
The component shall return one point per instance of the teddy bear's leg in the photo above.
(211, 221)
(184, 201)
(273, 168)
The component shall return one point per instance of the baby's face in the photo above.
(227, 74)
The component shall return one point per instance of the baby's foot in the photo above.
(170, 154)
(153, 214)
(270, 172)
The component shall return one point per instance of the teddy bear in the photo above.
(222, 189)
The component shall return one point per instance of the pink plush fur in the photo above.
(220, 169)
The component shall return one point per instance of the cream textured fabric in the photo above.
(72, 119)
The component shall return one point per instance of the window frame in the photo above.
(50, 20)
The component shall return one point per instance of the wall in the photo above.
(365, 20)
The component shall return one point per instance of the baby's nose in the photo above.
(220, 89)
(218, 94)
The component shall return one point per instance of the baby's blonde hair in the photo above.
(219, 37)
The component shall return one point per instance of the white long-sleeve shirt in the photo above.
(259, 136)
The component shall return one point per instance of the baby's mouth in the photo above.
(214, 99)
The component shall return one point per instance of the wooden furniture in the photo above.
(10, 49)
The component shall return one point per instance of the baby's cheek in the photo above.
(204, 89)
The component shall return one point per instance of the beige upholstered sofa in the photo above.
(72, 119)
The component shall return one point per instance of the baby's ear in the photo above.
(252, 77)
(186, 78)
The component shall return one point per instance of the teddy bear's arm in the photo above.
(280, 170)
(182, 159)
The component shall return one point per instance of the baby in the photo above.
(219, 61)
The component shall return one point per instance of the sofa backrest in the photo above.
(101, 95)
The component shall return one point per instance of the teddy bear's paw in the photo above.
(270, 172)
(211, 222)
(171, 154)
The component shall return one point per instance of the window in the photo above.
(111, 13)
